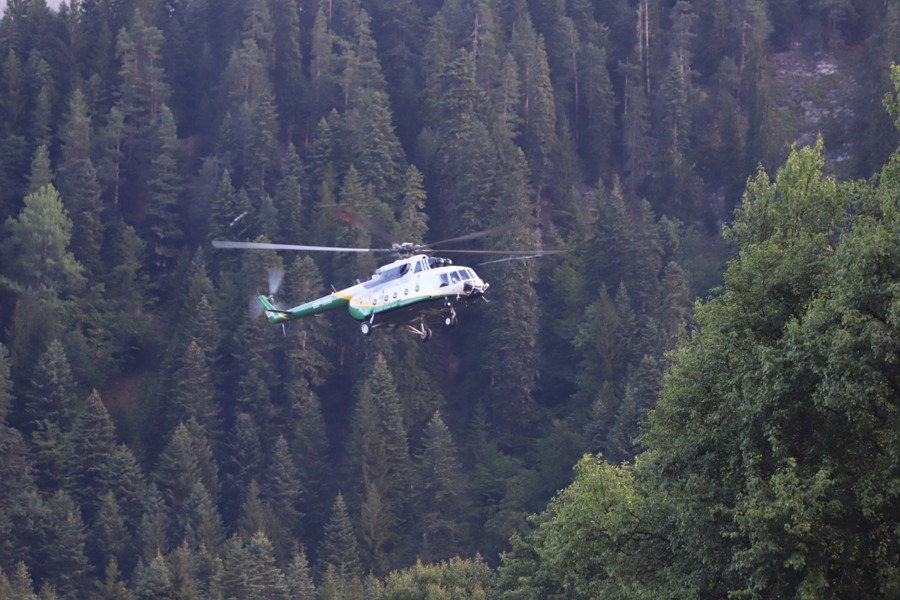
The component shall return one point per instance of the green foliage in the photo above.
(455, 578)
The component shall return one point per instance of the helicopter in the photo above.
(409, 293)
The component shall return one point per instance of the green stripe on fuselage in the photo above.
(362, 311)
(319, 305)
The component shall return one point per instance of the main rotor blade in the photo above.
(266, 246)
(473, 235)
(510, 258)
(531, 252)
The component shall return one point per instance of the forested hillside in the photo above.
(156, 442)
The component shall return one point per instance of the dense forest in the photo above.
(697, 398)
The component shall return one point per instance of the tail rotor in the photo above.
(276, 276)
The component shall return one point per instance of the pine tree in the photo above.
(111, 586)
(309, 341)
(109, 540)
(162, 221)
(52, 408)
(299, 579)
(250, 571)
(18, 584)
(379, 465)
(291, 87)
(441, 494)
(206, 461)
(243, 464)
(200, 522)
(310, 449)
(255, 514)
(282, 488)
(193, 396)
(41, 173)
(93, 440)
(61, 559)
(152, 580)
(124, 478)
(184, 585)
(177, 470)
(598, 99)
(154, 526)
(338, 549)
(79, 187)
(640, 396)
(37, 248)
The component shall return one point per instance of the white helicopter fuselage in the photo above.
(419, 283)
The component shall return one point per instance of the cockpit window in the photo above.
(470, 273)
(418, 268)
(444, 280)
(454, 277)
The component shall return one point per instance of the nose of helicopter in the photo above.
(475, 286)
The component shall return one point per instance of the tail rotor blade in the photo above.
(255, 308)
(275, 278)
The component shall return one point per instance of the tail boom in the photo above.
(314, 307)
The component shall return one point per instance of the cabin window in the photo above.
(444, 280)
(418, 268)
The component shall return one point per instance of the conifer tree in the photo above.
(184, 585)
(379, 465)
(338, 550)
(412, 217)
(52, 408)
(539, 114)
(243, 463)
(206, 461)
(41, 173)
(641, 391)
(598, 100)
(37, 248)
(111, 154)
(200, 522)
(177, 470)
(255, 513)
(282, 488)
(124, 478)
(12, 85)
(152, 580)
(310, 449)
(154, 526)
(111, 586)
(309, 341)
(109, 540)
(441, 494)
(60, 560)
(18, 584)
(299, 579)
(162, 221)
(42, 118)
(249, 570)
(193, 396)
(291, 87)
(78, 185)
(288, 201)
(142, 90)
(93, 440)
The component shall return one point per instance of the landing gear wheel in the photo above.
(450, 320)
(426, 335)
(365, 327)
